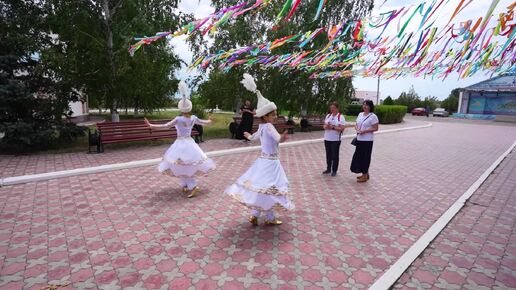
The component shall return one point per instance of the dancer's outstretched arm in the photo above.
(166, 125)
(203, 122)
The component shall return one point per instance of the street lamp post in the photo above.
(378, 92)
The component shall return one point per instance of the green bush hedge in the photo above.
(390, 114)
(353, 110)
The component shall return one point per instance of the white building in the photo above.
(79, 108)
(367, 95)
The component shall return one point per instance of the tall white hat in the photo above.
(184, 105)
(264, 106)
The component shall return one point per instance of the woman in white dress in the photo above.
(184, 158)
(264, 186)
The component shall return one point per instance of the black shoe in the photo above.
(326, 172)
(333, 173)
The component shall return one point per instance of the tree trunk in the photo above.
(304, 110)
(111, 56)
(238, 104)
(136, 110)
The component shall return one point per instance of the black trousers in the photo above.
(332, 155)
(200, 130)
(362, 157)
(246, 125)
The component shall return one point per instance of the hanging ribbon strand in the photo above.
(319, 9)
(217, 19)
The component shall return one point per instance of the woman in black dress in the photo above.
(246, 125)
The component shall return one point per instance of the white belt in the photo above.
(273, 156)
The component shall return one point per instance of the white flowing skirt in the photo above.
(184, 158)
(263, 186)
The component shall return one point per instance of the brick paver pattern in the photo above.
(133, 228)
(477, 250)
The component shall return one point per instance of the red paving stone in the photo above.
(41, 163)
(133, 228)
(473, 251)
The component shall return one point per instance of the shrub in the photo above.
(198, 107)
(388, 101)
(353, 110)
(33, 135)
(390, 114)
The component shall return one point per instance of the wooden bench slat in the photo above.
(135, 130)
(114, 136)
(129, 131)
(137, 137)
(316, 122)
(133, 139)
(125, 124)
(133, 134)
(117, 137)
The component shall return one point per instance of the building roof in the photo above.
(504, 82)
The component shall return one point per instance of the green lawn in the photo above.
(350, 118)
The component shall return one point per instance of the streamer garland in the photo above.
(361, 48)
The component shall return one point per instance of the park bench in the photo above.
(316, 122)
(128, 131)
(280, 124)
(312, 122)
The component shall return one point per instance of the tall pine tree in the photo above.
(32, 105)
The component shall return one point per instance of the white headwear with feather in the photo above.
(264, 106)
(184, 105)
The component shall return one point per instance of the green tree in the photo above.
(431, 102)
(451, 103)
(90, 51)
(291, 90)
(409, 99)
(32, 102)
(388, 101)
(224, 90)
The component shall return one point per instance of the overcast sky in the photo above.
(424, 87)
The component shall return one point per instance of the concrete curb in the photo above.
(148, 162)
(401, 265)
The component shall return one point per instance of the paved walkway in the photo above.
(41, 163)
(477, 250)
(133, 227)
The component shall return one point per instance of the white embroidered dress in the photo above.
(264, 185)
(184, 158)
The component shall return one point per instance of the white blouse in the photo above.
(366, 123)
(183, 125)
(337, 120)
(269, 138)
